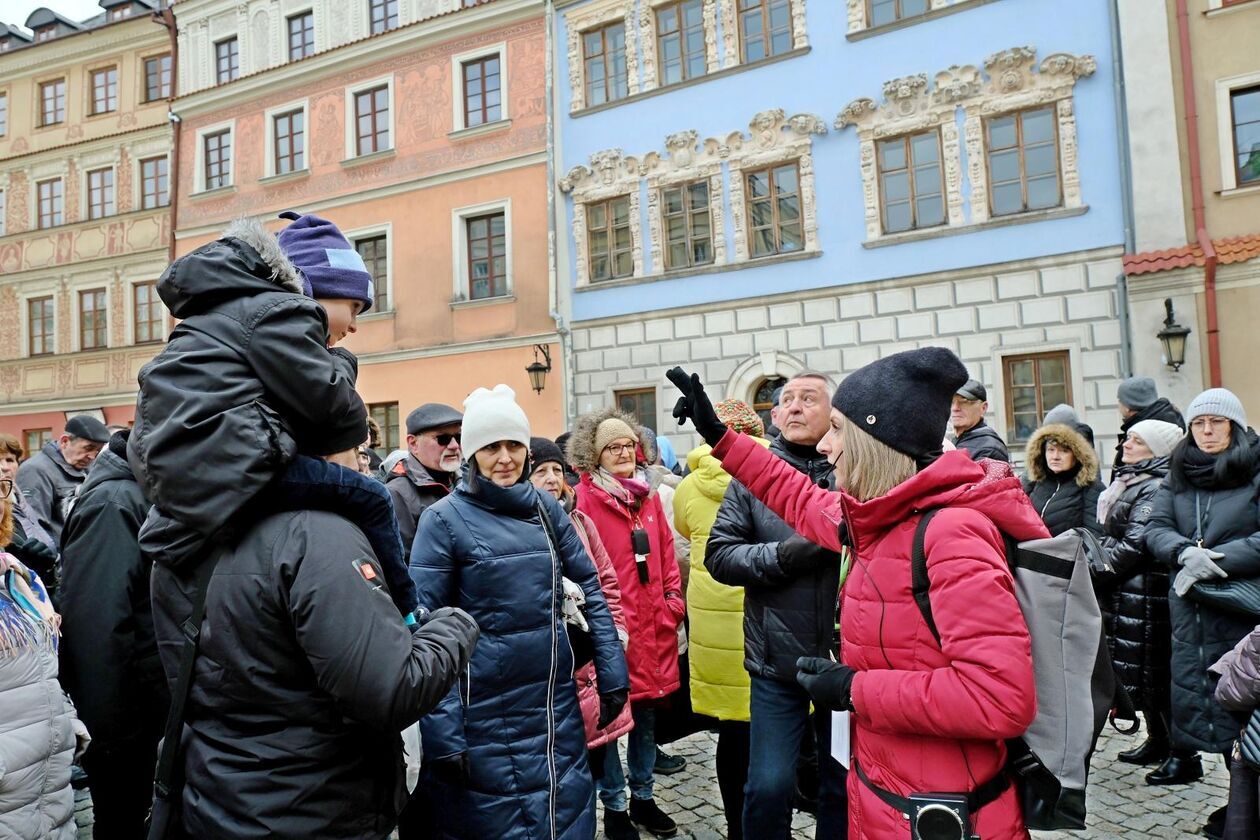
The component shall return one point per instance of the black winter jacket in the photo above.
(1068, 499)
(109, 656)
(306, 676)
(784, 618)
(1134, 596)
(1228, 520)
(413, 488)
(983, 441)
(1161, 409)
(244, 382)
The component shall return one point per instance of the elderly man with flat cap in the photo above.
(50, 477)
(430, 468)
(971, 433)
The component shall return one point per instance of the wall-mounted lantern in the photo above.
(1173, 337)
(538, 370)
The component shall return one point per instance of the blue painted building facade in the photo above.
(760, 188)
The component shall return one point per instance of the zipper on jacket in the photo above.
(1042, 512)
(551, 687)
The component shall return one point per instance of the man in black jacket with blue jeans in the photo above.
(791, 589)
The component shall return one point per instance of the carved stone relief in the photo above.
(1012, 81)
(260, 33)
(730, 29)
(591, 16)
(682, 163)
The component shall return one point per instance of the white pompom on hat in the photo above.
(1160, 437)
(491, 416)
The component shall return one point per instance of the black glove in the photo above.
(453, 769)
(610, 705)
(798, 555)
(827, 682)
(694, 405)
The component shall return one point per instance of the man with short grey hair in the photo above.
(428, 472)
(971, 433)
(50, 477)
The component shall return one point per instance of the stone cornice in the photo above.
(72, 50)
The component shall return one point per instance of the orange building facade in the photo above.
(424, 141)
(85, 227)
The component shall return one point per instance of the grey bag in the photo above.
(1075, 681)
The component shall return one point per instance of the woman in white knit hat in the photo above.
(505, 752)
(1134, 593)
(1206, 526)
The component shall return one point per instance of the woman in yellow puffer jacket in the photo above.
(719, 683)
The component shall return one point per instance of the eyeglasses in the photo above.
(444, 440)
(6, 488)
(618, 449)
(1203, 421)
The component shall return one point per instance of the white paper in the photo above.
(840, 738)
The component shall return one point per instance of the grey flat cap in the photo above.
(973, 389)
(432, 416)
(87, 427)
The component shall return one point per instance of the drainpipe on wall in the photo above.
(567, 396)
(1196, 194)
(1126, 192)
(166, 17)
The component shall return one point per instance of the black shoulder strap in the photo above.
(163, 785)
(919, 575)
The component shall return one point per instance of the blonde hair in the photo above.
(6, 521)
(870, 468)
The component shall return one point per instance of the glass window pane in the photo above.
(761, 214)
(1052, 395)
(892, 154)
(930, 211)
(1043, 192)
(596, 215)
(672, 200)
(1246, 105)
(624, 264)
(763, 242)
(1052, 370)
(1007, 199)
(701, 252)
(1038, 126)
(621, 211)
(896, 217)
(699, 194)
(790, 235)
(789, 209)
(678, 254)
(785, 179)
(599, 267)
(927, 179)
(896, 187)
(1025, 424)
(1022, 372)
(924, 147)
(1004, 166)
(621, 237)
(1040, 160)
(883, 12)
(910, 8)
(1002, 132)
(758, 184)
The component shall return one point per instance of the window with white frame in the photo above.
(154, 182)
(287, 137)
(383, 15)
(686, 216)
(373, 246)
(1238, 129)
(148, 315)
(40, 333)
(49, 195)
(911, 181)
(480, 94)
(371, 126)
(482, 239)
(93, 325)
(301, 35)
(227, 60)
(214, 153)
(874, 14)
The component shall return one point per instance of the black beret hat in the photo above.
(543, 450)
(903, 400)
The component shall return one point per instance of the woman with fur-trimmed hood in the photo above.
(620, 497)
(1062, 481)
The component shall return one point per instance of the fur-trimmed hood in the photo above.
(246, 260)
(1066, 436)
(580, 449)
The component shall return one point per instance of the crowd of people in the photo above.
(243, 569)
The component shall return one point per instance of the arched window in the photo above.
(761, 397)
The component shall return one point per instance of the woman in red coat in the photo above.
(926, 717)
(620, 498)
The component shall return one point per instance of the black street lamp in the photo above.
(1173, 337)
(538, 370)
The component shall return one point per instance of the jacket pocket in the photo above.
(278, 441)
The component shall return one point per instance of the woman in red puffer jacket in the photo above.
(619, 496)
(927, 717)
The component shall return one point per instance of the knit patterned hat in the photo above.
(610, 430)
(903, 400)
(1159, 437)
(492, 416)
(1219, 402)
(739, 415)
(330, 266)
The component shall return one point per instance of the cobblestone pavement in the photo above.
(1121, 805)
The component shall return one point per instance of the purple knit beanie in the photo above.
(330, 266)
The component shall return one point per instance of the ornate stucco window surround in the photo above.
(773, 139)
(730, 29)
(860, 19)
(1012, 86)
(681, 164)
(1012, 82)
(601, 13)
(647, 20)
(610, 175)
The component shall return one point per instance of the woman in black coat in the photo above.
(1062, 480)
(1133, 594)
(1206, 526)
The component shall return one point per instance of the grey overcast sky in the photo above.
(17, 11)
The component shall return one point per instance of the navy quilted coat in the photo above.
(515, 713)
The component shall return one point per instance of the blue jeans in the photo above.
(315, 484)
(780, 720)
(640, 758)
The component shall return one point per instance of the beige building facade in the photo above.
(1193, 95)
(85, 155)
